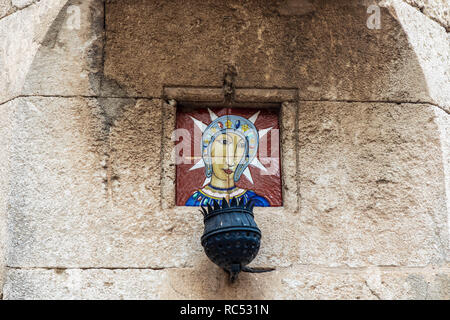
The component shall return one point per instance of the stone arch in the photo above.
(56, 61)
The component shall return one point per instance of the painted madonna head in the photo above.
(229, 145)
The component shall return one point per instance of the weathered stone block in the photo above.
(21, 35)
(84, 180)
(144, 235)
(53, 47)
(99, 284)
(438, 10)
(330, 54)
(372, 185)
(431, 43)
(310, 282)
(58, 194)
(5, 7)
(87, 189)
(69, 59)
(443, 122)
(212, 283)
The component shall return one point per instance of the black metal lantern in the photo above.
(231, 238)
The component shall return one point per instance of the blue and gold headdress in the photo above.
(231, 124)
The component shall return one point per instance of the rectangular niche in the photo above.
(245, 148)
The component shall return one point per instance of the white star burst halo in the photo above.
(255, 162)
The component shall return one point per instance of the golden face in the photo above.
(227, 151)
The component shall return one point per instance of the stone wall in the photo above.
(437, 10)
(84, 207)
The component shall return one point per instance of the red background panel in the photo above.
(187, 182)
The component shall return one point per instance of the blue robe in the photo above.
(201, 199)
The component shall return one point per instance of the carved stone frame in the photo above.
(285, 99)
